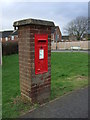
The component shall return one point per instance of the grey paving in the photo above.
(85, 51)
(72, 105)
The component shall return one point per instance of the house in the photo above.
(55, 34)
(89, 28)
(8, 35)
(88, 34)
(14, 35)
(65, 38)
(4, 35)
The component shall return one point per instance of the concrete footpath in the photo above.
(72, 105)
(82, 51)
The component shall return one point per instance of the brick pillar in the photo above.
(35, 88)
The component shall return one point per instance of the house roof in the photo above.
(15, 32)
(4, 34)
(53, 29)
(0, 35)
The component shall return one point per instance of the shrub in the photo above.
(9, 47)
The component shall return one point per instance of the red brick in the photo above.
(33, 86)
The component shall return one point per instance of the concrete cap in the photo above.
(33, 22)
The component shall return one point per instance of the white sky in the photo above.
(59, 12)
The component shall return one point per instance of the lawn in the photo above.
(0, 92)
(69, 72)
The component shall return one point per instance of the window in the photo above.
(57, 36)
(1, 40)
(12, 37)
(6, 38)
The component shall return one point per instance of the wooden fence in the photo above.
(84, 45)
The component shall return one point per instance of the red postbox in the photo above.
(41, 53)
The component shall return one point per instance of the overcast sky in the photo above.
(59, 12)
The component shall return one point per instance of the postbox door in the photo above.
(41, 54)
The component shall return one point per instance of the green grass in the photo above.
(12, 104)
(0, 91)
(69, 72)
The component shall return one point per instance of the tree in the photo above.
(77, 27)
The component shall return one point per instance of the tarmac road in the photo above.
(72, 105)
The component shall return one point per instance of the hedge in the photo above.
(9, 47)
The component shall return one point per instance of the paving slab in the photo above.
(72, 105)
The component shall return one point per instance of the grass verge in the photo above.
(69, 71)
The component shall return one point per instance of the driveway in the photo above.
(72, 105)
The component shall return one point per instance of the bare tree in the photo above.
(77, 27)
